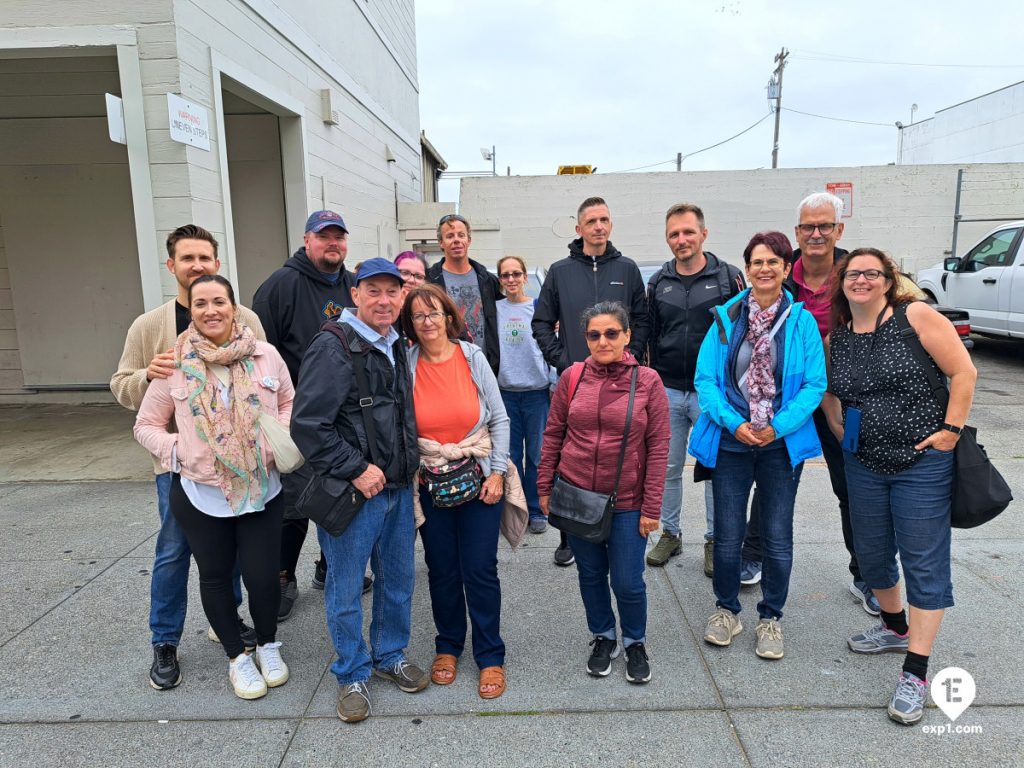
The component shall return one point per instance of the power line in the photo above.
(838, 119)
(838, 59)
(643, 167)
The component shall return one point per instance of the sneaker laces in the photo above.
(358, 688)
(878, 632)
(270, 656)
(637, 649)
(769, 630)
(598, 639)
(910, 689)
(246, 671)
(165, 654)
(398, 669)
(720, 619)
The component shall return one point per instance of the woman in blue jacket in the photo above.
(760, 375)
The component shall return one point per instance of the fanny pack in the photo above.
(453, 483)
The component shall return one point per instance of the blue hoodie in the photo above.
(803, 385)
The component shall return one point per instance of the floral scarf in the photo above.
(760, 378)
(232, 431)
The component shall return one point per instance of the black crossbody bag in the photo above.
(587, 514)
(980, 493)
(330, 502)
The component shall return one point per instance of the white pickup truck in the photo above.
(987, 281)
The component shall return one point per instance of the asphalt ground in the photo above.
(79, 521)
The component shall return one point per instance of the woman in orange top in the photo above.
(459, 414)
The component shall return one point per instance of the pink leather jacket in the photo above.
(166, 400)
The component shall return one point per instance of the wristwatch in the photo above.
(951, 428)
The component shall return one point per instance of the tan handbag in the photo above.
(286, 454)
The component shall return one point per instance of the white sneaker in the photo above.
(245, 678)
(268, 659)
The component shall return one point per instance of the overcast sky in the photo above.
(620, 85)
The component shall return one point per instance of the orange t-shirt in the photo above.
(447, 405)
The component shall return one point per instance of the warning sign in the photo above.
(844, 191)
(190, 123)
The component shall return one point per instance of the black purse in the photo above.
(587, 514)
(980, 493)
(453, 483)
(330, 502)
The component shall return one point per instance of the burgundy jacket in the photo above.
(583, 438)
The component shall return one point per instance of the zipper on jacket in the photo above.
(597, 446)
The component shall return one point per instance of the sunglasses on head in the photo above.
(451, 217)
(611, 334)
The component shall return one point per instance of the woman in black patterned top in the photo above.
(898, 445)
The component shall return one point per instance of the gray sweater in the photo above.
(492, 407)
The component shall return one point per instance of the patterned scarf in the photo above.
(231, 431)
(760, 378)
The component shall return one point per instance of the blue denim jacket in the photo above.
(803, 385)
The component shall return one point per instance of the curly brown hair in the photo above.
(894, 294)
(435, 298)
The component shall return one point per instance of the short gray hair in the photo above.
(820, 200)
(614, 308)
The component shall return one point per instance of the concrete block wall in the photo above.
(905, 210)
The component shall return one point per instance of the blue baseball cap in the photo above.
(376, 267)
(319, 220)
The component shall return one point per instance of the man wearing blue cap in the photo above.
(328, 427)
(312, 286)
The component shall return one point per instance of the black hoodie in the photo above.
(294, 301)
(577, 283)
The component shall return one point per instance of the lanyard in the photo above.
(858, 367)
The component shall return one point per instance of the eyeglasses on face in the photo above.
(511, 275)
(611, 334)
(421, 317)
(825, 229)
(851, 275)
(415, 277)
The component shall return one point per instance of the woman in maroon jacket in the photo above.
(582, 442)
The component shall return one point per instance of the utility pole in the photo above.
(679, 161)
(780, 61)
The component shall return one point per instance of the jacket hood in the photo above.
(300, 263)
(576, 252)
(714, 265)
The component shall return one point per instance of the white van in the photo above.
(987, 281)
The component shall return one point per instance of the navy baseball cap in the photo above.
(376, 267)
(319, 220)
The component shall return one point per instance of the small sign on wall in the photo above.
(190, 123)
(844, 191)
(115, 119)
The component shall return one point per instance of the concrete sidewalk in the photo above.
(74, 649)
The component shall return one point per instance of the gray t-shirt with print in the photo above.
(522, 364)
(465, 292)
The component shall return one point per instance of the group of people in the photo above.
(470, 402)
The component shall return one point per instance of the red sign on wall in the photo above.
(844, 191)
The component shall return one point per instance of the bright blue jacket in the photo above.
(803, 385)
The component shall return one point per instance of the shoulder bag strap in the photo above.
(935, 378)
(625, 434)
(575, 377)
(362, 387)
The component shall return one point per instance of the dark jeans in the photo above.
(460, 546)
(734, 474)
(293, 529)
(253, 540)
(527, 414)
(833, 453)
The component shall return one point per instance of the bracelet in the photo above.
(951, 428)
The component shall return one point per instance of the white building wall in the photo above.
(904, 210)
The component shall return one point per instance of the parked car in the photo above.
(987, 281)
(535, 280)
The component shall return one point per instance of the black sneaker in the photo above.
(248, 635)
(320, 573)
(564, 556)
(638, 670)
(367, 584)
(165, 672)
(289, 593)
(600, 662)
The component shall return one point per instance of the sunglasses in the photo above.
(611, 334)
(511, 275)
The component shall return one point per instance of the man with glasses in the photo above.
(312, 286)
(819, 228)
(471, 286)
(594, 271)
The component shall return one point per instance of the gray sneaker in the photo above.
(769, 639)
(907, 704)
(722, 627)
(354, 702)
(408, 677)
(878, 639)
(709, 558)
(668, 546)
(538, 525)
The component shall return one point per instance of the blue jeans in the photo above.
(168, 588)
(460, 546)
(382, 533)
(734, 474)
(528, 414)
(683, 412)
(906, 513)
(622, 559)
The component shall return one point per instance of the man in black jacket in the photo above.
(473, 289)
(680, 297)
(327, 426)
(312, 286)
(594, 271)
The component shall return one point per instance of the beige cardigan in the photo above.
(151, 334)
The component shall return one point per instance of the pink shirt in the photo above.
(819, 302)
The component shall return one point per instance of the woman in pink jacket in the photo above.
(582, 442)
(225, 492)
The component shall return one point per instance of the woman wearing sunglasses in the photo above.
(523, 378)
(582, 443)
(760, 375)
